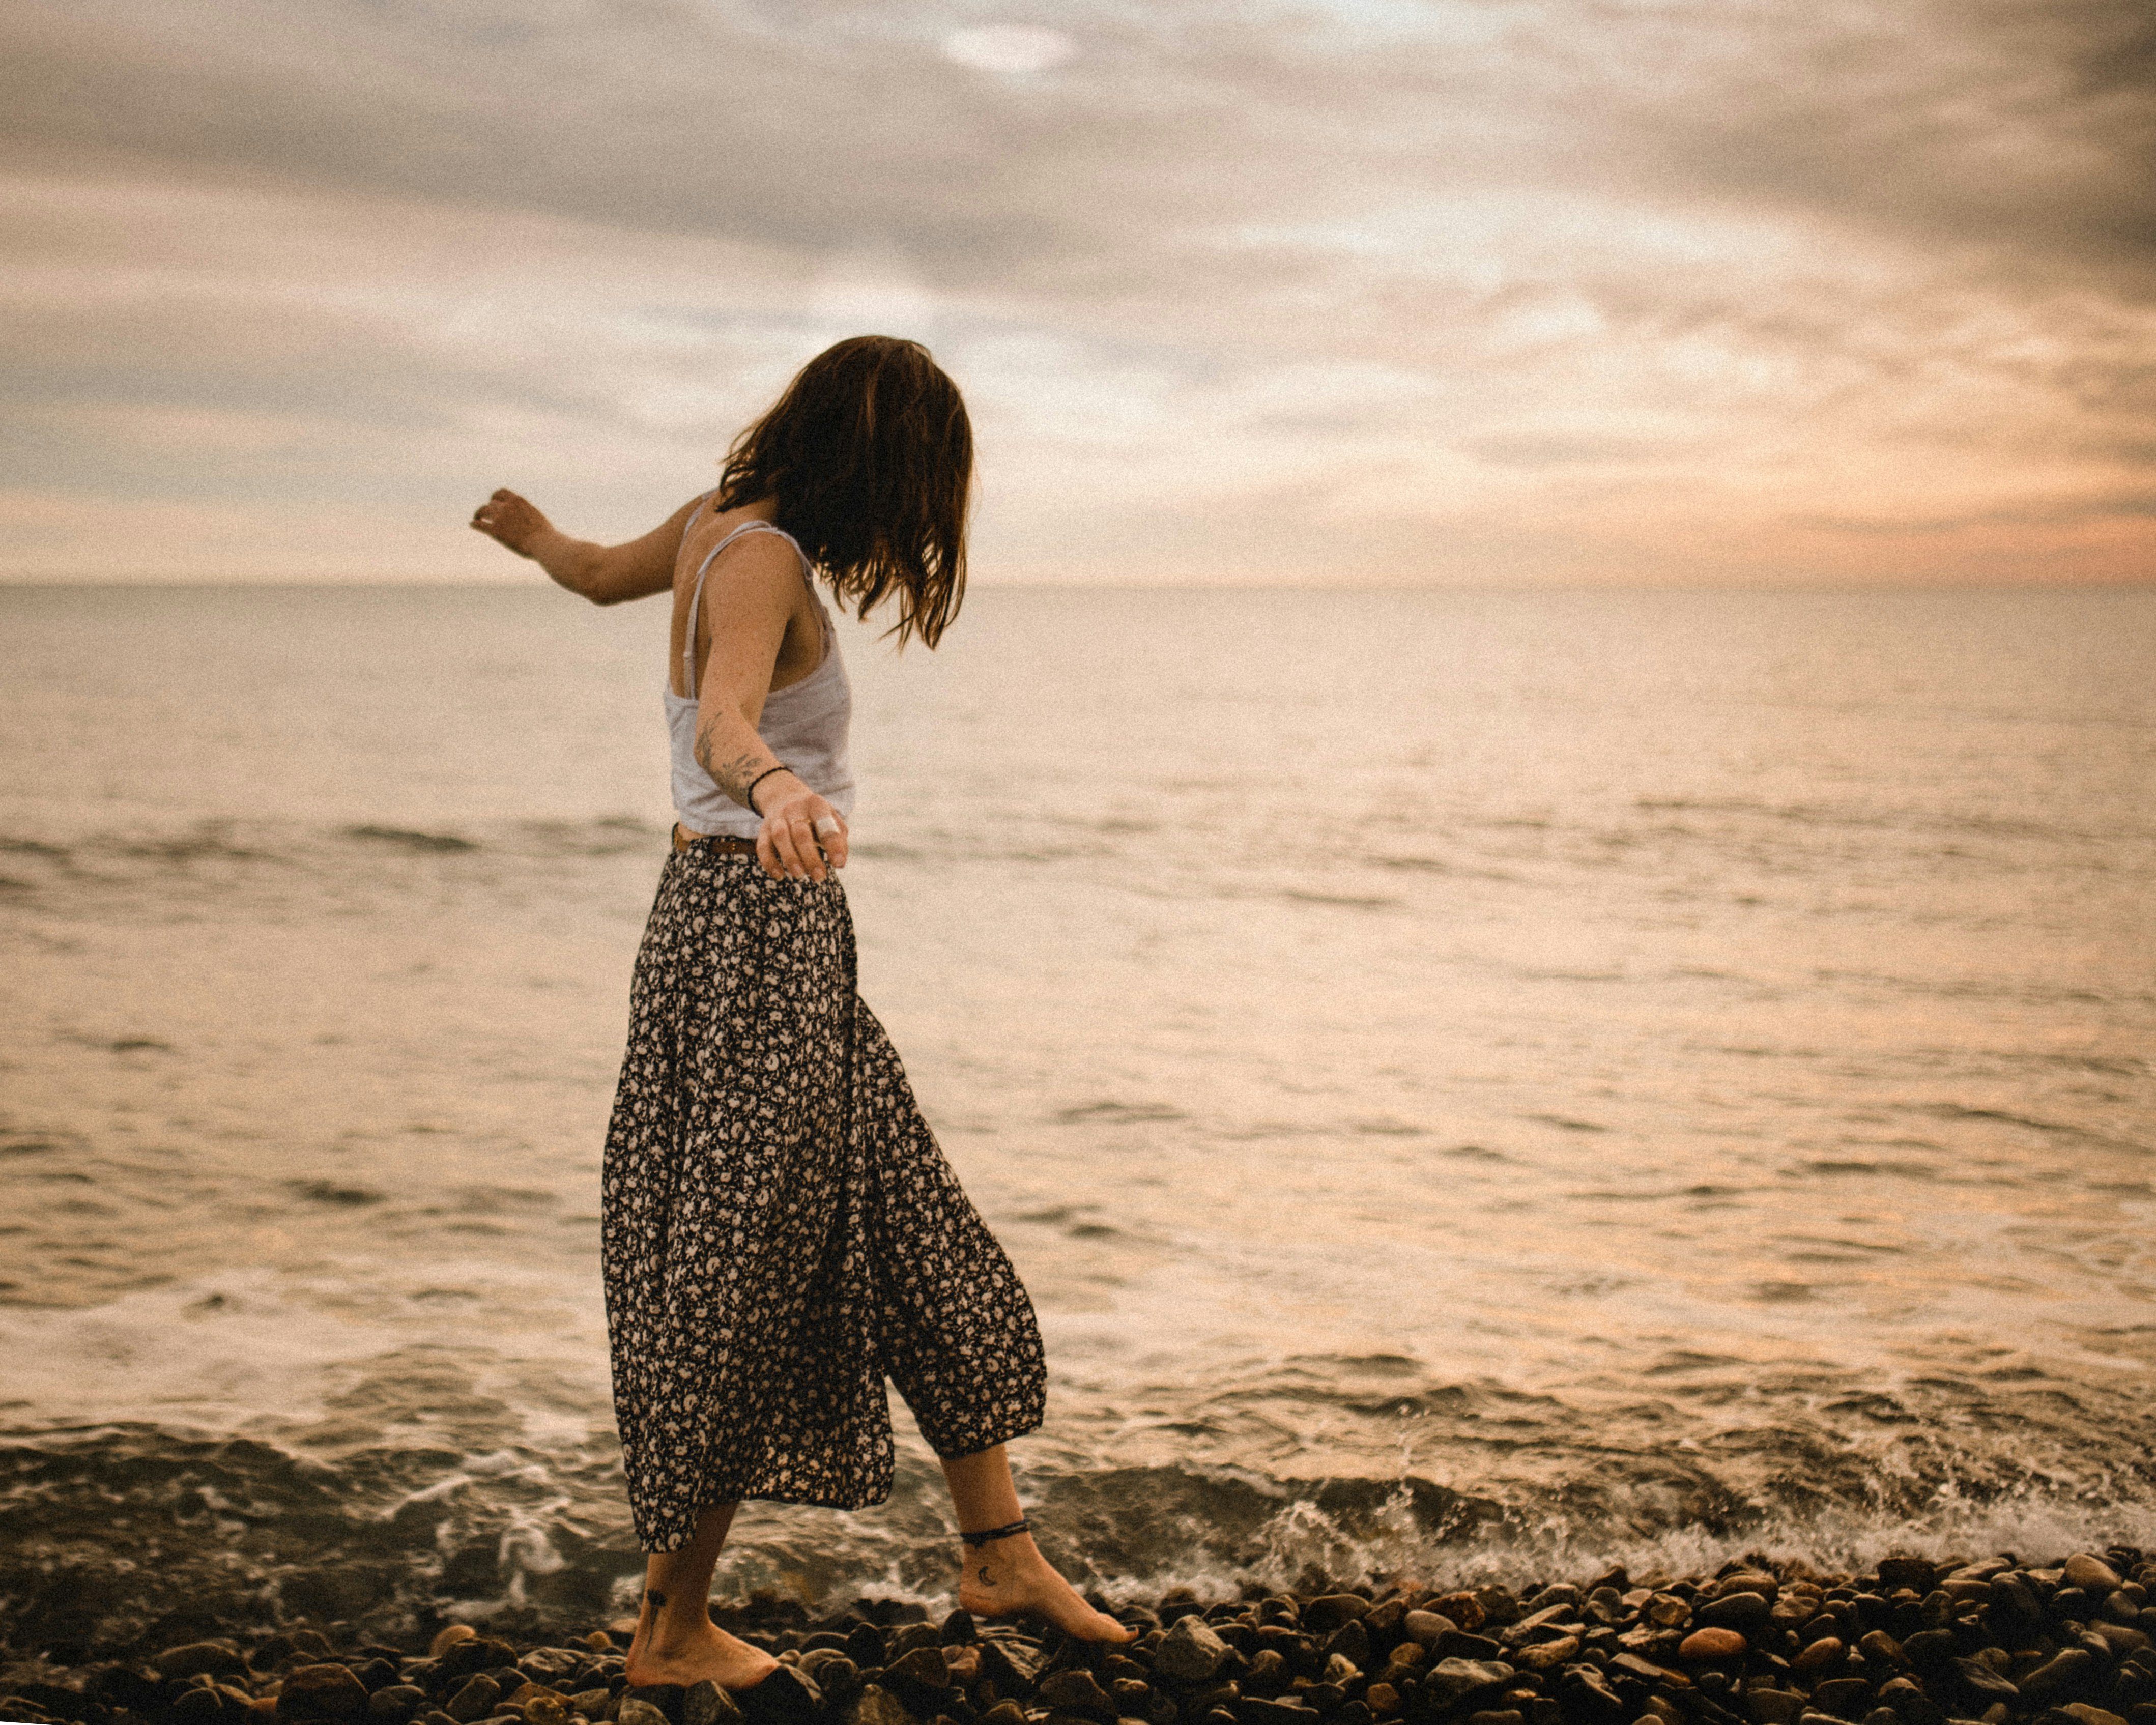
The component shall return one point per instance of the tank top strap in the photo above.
(696, 595)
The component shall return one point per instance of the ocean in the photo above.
(1472, 1081)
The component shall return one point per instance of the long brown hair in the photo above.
(870, 457)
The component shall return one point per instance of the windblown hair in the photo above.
(870, 457)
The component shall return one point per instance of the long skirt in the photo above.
(779, 1232)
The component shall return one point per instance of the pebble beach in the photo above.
(1997, 1640)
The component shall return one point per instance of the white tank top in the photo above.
(803, 725)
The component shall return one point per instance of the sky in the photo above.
(1396, 291)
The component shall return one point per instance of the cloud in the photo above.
(1486, 290)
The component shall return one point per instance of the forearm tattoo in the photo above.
(733, 774)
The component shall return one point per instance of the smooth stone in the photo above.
(924, 1666)
(1452, 1680)
(1078, 1692)
(448, 1635)
(1746, 1612)
(1825, 1654)
(546, 1708)
(788, 1696)
(1703, 1644)
(326, 1692)
(1251, 1710)
(1557, 1593)
(1328, 1612)
(1985, 1682)
(1351, 1641)
(1016, 1665)
(199, 1658)
(1463, 1609)
(1424, 1628)
(876, 1705)
(707, 1704)
(2062, 1672)
(1190, 1653)
(2089, 1715)
(1749, 1581)
(640, 1713)
(1881, 1648)
(1647, 1671)
(1003, 1713)
(1665, 1611)
(1919, 1574)
(396, 1703)
(1772, 1707)
(1460, 1645)
(590, 1702)
(1911, 1705)
(1548, 1656)
(2085, 1570)
(1383, 1700)
(1845, 1697)
(903, 1640)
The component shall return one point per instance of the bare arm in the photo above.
(753, 591)
(604, 574)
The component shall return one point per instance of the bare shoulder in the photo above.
(755, 566)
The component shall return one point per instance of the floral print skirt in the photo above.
(779, 1232)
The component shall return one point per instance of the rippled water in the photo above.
(1467, 1077)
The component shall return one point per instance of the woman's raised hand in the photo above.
(800, 832)
(515, 523)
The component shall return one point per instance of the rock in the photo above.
(1003, 1713)
(1704, 1646)
(1826, 1654)
(667, 1697)
(1910, 1704)
(1452, 1680)
(1328, 1612)
(924, 1667)
(1919, 1574)
(1880, 1649)
(590, 1702)
(2059, 1675)
(1014, 1664)
(473, 1653)
(1351, 1641)
(1497, 1715)
(1747, 1612)
(2088, 1715)
(1424, 1628)
(1749, 1581)
(199, 1658)
(788, 1696)
(1079, 1692)
(877, 1705)
(1585, 1695)
(396, 1703)
(1646, 1670)
(1252, 1711)
(1548, 1656)
(1383, 1700)
(1988, 1685)
(1460, 1645)
(1665, 1611)
(1463, 1608)
(329, 1692)
(448, 1637)
(2084, 1569)
(866, 1645)
(1932, 1651)
(546, 1708)
(1557, 1593)
(638, 1712)
(705, 1703)
(1189, 1653)
(1845, 1697)
(1772, 1707)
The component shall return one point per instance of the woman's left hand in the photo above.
(801, 833)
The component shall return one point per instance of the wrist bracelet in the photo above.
(748, 790)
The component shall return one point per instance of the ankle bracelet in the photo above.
(1018, 1526)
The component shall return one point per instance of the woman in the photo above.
(779, 1231)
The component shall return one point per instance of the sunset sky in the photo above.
(1359, 291)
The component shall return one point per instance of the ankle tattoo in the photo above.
(658, 1600)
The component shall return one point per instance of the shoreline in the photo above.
(2002, 1640)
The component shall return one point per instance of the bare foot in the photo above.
(1008, 1576)
(665, 1651)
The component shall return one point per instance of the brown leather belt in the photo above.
(716, 841)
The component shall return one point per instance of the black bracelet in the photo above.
(748, 790)
(1004, 1532)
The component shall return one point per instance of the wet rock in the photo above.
(2084, 1714)
(705, 1703)
(924, 1668)
(591, 1704)
(1746, 1612)
(1985, 1684)
(1351, 1641)
(866, 1645)
(2060, 1676)
(1251, 1710)
(1328, 1612)
(1014, 1666)
(1425, 1627)
(1845, 1697)
(1383, 1700)
(2086, 1570)
(1190, 1653)
(1460, 1645)
(1704, 1646)
(1548, 1656)
(472, 1653)
(1910, 1704)
(1585, 1695)
(1451, 1680)
(877, 1705)
(638, 1713)
(1747, 1581)
(1769, 1705)
(474, 1699)
(1557, 1593)
(1665, 1611)
(546, 1708)
(788, 1696)
(1003, 1713)
(1078, 1692)
(1920, 1574)
(1826, 1654)
(196, 1659)
(328, 1692)
(395, 1703)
